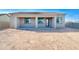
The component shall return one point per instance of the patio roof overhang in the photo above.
(37, 14)
(34, 17)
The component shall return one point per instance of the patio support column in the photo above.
(55, 22)
(36, 22)
(15, 22)
(63, 22)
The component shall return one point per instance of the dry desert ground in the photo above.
(12, 39)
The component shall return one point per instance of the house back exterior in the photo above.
(37, 20)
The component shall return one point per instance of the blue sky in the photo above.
(71, 14)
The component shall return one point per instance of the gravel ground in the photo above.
(12, 39)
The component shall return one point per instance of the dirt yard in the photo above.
(12, 39)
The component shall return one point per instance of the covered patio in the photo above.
(36, 22)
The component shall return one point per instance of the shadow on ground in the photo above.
(66, 29)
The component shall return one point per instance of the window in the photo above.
(26, 20)
(59, 20)
(40, 20)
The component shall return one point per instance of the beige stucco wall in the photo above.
(4, 22)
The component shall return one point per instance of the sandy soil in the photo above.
(23, 40)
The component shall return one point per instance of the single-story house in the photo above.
(35, 20)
